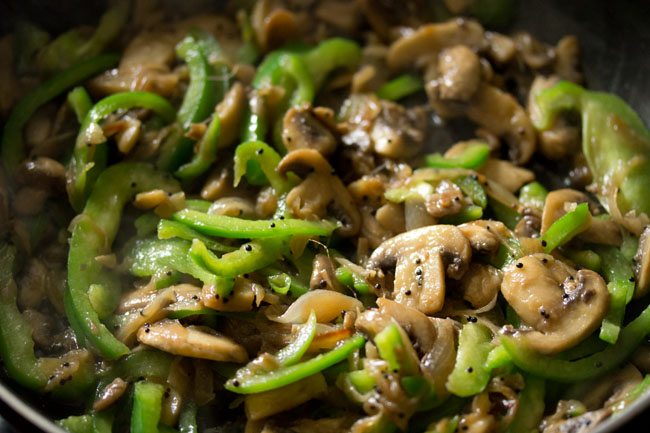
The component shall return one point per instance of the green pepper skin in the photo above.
(147, 402)
(198, 102)
(80, 102)
(266, 159)
(206, 153)
(531, 406)
(83, 167)
(472, 158)
(92, 235)
(12, 150)
(565, 371)
(249, 258)
(247, 384)
(239, 228)
(17, 346)
(615, 142)
(400, 87)
(533, 195)
(156, 258)
(567, 227)
(73, 46)
(470, 374)
(168, 229)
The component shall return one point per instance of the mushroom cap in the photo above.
(561, 306)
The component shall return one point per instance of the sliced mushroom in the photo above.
(385, 16)
(46, 173)
(302, 129)
(321, 192)
(534, 53)
(447, 199)
(327, 305)
(398, 132)
(230, 112)
(391, 217)
(414, 48)
(642, 264)
(438, 363)
(459, 74)
(485, 236)
(507, 174)
(244, 297)
(273, 24)
(600, 231)
(145, 65)
(170, 336)
(480, 284)
(232, 206)
(110, 394)
(500, 113)
(561, 306)
(422, 258)
(567, 59)
(500, 48)
(413, 322)
(323, 275)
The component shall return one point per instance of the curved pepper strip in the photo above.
(400, 87)
(168, 229)
(250, 257)
(290, 354)
(301, 74)
(73, 46)
(12, 137)
(472, 158)
(147, 406)
(267, 160)
(158, 258)
(17, 346)
(239, 228)
(592, 366)
(286, 375)
(530, 410)
(83, 169)
(615, 142)
(206, 152)
(198, 102)
(92, 235)
(566, 227)
(80, 102)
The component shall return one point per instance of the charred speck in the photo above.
(272, 225)
(407, 293)
(470, 370)
(472, 319)
(544, 243)
(260, 151)
(248, 247)
(519, 265)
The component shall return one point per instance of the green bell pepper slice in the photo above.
(530, 410)
(200, 98)
(567, 227)
(84, 168)
(17, 346)
(283, 376)
(533, 195)
(12, 148)
(597, 364)
(206, 153)
(473, 157)
(239, 228)
(619, 274)
(615, 141)
(94, 232)
(158, 258)
(248, 258)
(168, 229)
(80, 102)
(147, 406)
(266, 160)
(400, 87)
(470, 375)
(72, 46)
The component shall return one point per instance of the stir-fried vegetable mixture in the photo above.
(320, 216)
